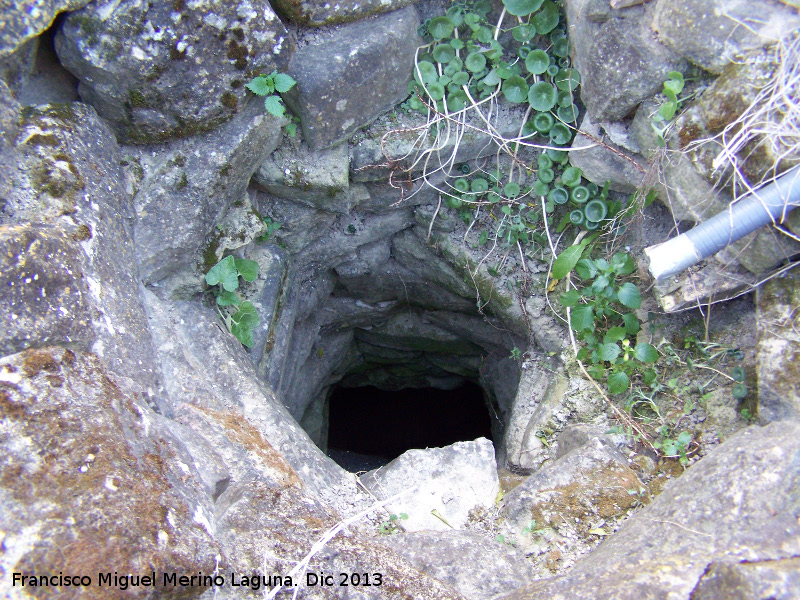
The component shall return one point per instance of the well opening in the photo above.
(369, 426)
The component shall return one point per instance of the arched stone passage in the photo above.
(384, 424)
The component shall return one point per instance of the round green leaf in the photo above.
(440, 27)
(568, 114)
(540, 188)
(543, 122)
(552, 70)
(456, 15)
(436, 90)
(475, 62)
(591, 225)
(457, 101)
(426, 72)
(443, 53)
(559, 195)
(522, 8)
(560, 134)
(546, 175)
(528, 129)
(645, 353)
(579, 195)
(629, 296)
(567, 79)
(462, 185)
(572, 177)
(547, 18)
(595, 210)
(461, 78)
(479, 185)
(248, 269)
(537, 62)
(561, 47)
(542, 96)
(544, 161)
(564, 98)
(523, 52)
(225, 274)
(739, 391)
(515, 89)
(576, 218)
(618, 382)
(511, 190)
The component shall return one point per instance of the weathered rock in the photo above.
(778, 347)
(188, 340)
(374, 57)
(739, 503)
(452, 481)
(315, 13)
(411, 330)
(16, 68)
(610, 162)
(739, 581)
(712, 34)
(22, 22)
(268, 530)
(91, 479)
(620, 60)
(544, 404)
(317, 179)
(43, 302)
(476, 566)
(187, 187)
(162, 70)
(589, 484)
(70, 185)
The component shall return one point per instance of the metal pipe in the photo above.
(767, 205)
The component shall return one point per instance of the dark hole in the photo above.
(376, 426)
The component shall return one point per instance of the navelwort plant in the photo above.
(240, 316)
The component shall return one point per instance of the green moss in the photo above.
(236, 84)
(176, 54)
(63, 111)
(42, 139)
(238, 33)
(210, 253)
(229, 99)
(225, 170)
(136, 98)
(89, 26)
(240, 64)
(178, 5)
(82, 233)
(179, 160)
(183, 182)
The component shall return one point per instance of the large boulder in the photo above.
(437, 488)
(346, 77)
(620, 60)
(713, 33)
(739, 504)
(185, 189)
(92, 480)
(471, 562)
(161, 70)
(72, 238)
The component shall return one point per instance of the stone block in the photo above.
(711, 34)
(163, 70)
(452, 481)
(317, 13)
(346, 77)
(620, 60)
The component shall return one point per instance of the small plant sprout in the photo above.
(240, 316)
(267, 85)
(270, 228)
(392, 524)
(515, 354)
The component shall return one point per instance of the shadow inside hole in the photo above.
(369, 427)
